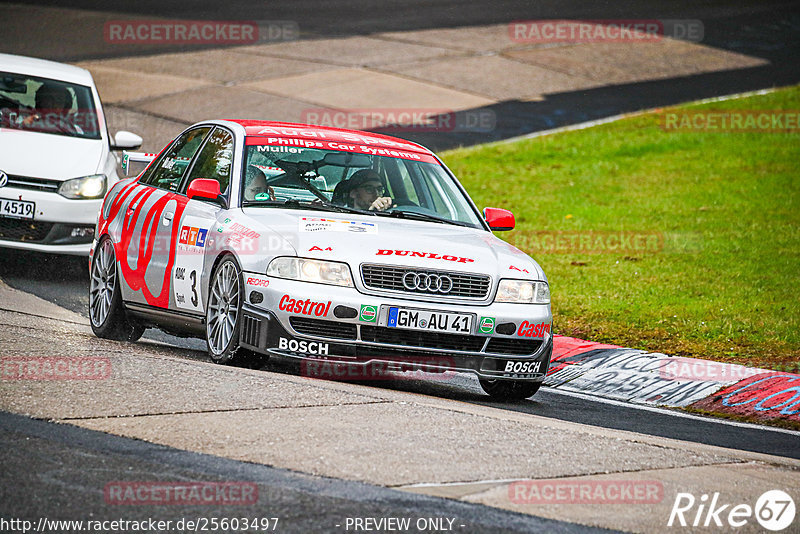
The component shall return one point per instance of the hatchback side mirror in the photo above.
(499, 220)
(126, 141)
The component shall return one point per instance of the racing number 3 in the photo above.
(193, 278)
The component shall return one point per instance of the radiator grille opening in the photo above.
(387, 277)
(318, 328)
(24, 230)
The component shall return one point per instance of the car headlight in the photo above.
(523, 292)
(93, 186)
(308, 270)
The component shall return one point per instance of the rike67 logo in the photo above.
(774, 510)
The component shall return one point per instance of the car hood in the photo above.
(358, 239)
(56, 157)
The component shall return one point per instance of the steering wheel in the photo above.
(406, 202)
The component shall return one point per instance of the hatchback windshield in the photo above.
(47, 106)
(329, 179)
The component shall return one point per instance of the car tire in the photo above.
(509, 390)
(106, 312)
(223, 317)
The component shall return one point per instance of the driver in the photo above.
(366, 191)
(53, 103)
(255, 185)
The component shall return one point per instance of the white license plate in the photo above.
(454, 323)
(20, 209)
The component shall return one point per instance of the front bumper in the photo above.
(60, 225)
(337, 333)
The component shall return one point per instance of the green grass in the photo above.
(726, 283)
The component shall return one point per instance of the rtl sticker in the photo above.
(195, 237)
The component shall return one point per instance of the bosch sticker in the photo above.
(522, 367)
(308, 347)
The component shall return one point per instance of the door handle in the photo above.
(168, 218)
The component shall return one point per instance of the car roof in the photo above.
(45, 69)
(257, 128)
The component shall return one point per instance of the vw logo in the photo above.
(433, 283)
(3, 179)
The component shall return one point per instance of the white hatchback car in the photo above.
(56, 159)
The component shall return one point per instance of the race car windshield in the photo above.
(47, 106)
(370, 183)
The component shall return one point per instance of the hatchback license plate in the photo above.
(19, 209)
(454, 323)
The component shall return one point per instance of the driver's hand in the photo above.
(381, 204)
(30, 119)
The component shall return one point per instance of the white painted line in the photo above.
(606, 120)
(674, 413)
(473, 483)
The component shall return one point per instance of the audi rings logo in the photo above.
(3, 179)
(433, 283)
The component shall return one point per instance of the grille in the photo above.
(23, 230)
(315, 327)
(415, 338)
(36, 184)
(513, 346)
(251, 330)
(475, 286)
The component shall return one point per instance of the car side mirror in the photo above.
(126, 141)
(206, 189)
(498, 219)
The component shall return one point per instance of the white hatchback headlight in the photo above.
(308, 270)
(523, 292)
(85, 187)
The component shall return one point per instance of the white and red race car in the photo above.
(320, 244)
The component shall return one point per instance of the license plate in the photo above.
(454, 323)
(20, 209)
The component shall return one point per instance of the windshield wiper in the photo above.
(421, 217)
